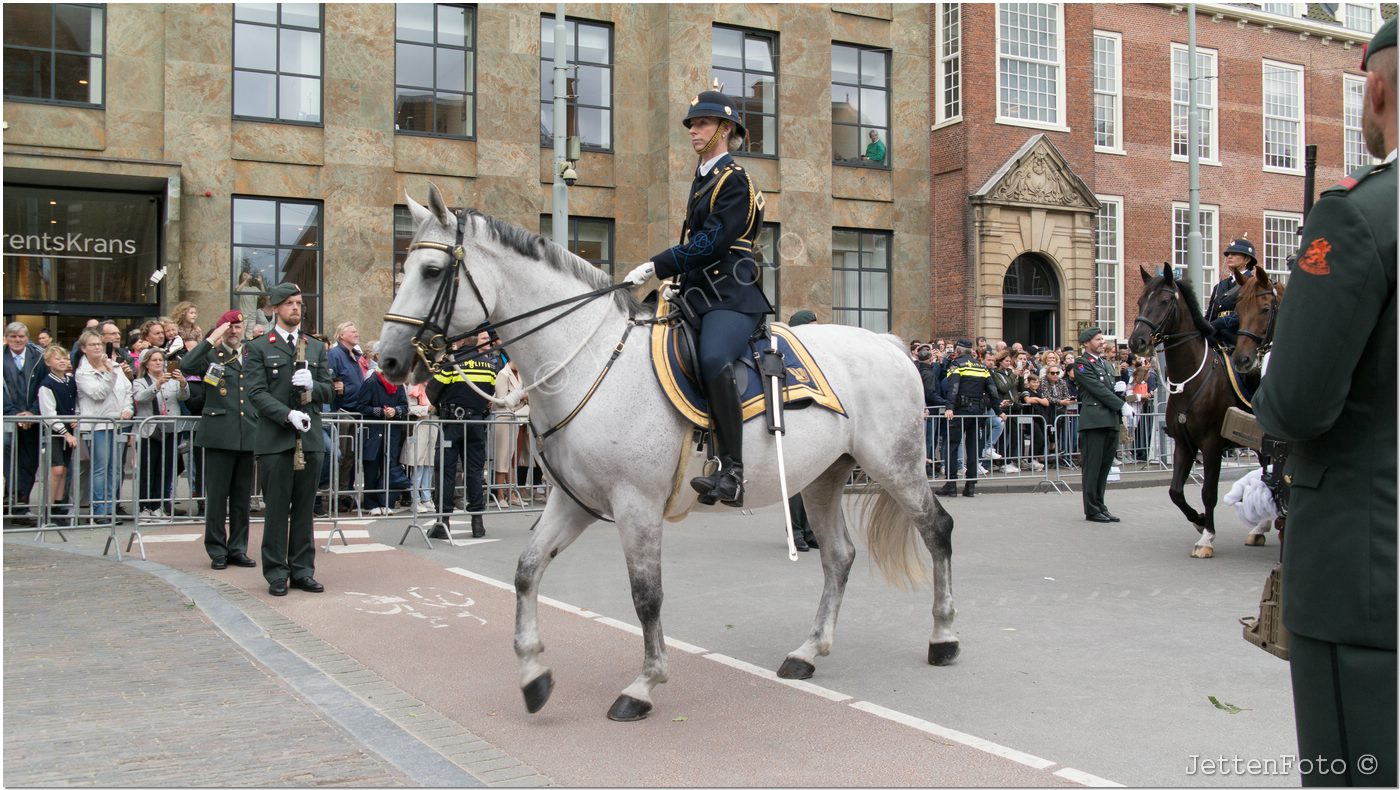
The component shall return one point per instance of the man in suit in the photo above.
(275, 383)
(1339, 588)
(1100, 410)
(24, 368)
(227, 427)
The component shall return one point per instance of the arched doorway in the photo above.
(1030, 298)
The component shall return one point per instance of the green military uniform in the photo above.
(1100, 414)
(1339, 561)
(289, 496)
(226, 430)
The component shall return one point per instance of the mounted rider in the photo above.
(1239, 259)
(719, 279)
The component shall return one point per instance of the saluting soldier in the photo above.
(226, 430)
(1339, 590)
(1100, 414)
(274, 383)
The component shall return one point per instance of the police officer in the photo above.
(969, 396)
(1100, 414)
(1239, 259)
(273, 383)
(719, 279)
(227, 427)
(1339, 589)
(455, 401)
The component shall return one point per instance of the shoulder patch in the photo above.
(1314, 259)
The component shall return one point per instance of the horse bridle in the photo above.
(444, 302)
(1159, 339)
(1267, 341)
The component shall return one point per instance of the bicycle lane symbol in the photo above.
(436, 606)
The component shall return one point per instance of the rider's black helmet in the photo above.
(713, 104)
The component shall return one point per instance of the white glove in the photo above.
(640, 274)
(302, 378)
(1119, 387)
(1128, 411)
(299, 420)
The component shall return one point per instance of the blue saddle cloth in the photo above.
(1240, 384)
(803, 385)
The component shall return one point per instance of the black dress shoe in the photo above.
(218, 564)
(242, 560)
(1099, 518)
(478, 527)
(799, 542)
(308, 584)
(1111, 517)
(810, 538)
(439, 532)
(948, 489)
(278, 587)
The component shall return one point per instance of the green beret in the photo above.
(278, 294)
(1088, 333)
(802, 317)
(1384, 39)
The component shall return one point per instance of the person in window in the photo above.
(875, 152)
(718, 279)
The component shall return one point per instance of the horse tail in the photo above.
(892, 540)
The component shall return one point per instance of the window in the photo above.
(1207, 90)
(1360, 17)
(1280, 242)
(1181, 214)
(746, 65)
(860, 105)
(589, 238)
(588, 84)
(860, 266)
(277, 241)
(769, 264)
(1283, 117)
(1282, 9)
(277, 61)
(1108, 89)
(435, 70)
(949, 77)
(1029, 88)
(1108, 262)
(54, 52)
(404, 228)
(1353, 93)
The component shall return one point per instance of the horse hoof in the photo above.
(1254, 539)
(1202, 552)
(537, 691)
(796, 669)
(629, 709)
(941, 654)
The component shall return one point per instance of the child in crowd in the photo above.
(58, 399)
(1034, 402)
(420, 451)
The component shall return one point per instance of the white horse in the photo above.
(626, 453)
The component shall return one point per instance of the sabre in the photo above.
(303, 397)
(775, 371)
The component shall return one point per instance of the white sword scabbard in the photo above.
(779, 429)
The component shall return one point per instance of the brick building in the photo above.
(1058, 150)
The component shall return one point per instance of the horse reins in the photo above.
(1175, 339)
(1267, 341)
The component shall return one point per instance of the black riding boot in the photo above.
(726, 483)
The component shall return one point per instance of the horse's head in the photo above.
(1159, 310)
(1257, 309)
(440, 298)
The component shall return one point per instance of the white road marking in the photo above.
(170, 538)
(800, 685)
(568, 607)
(628, 627)
(1086, 779)
(483, 579)
(685, 647)
(955, 736)
(360, 548)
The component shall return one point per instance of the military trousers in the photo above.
(1097, 447)
(288, 544)
(1344, 708)
(228, 480)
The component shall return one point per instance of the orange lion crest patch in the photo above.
(1314, 260)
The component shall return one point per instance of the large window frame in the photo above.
(1275, 129)
(869, 269)
(1210, 249)
(1280, 241)
(1108, 92)
(1036, 65)
(1360, 17)
(54, 56)
(1354, 152)
(948, 63)
(1207, 104)
(577, 239)
(409, 92)
(247, 19)
(281, 249)
(869, 88)
(1108, 265)
(577, 104)
(760, 119)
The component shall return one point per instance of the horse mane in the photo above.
(1193, 305)
(533, 245)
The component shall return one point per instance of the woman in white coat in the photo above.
(104, 395)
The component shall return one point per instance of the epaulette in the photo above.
(1360, 174)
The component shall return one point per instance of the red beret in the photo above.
(231, 317)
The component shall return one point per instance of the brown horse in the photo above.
(1257, 309)
(1169, 315)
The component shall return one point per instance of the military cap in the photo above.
(1384, 39)
(1243, 247)
(802, 317)
(713, 104)
(1089, 333)
(280, 293)
(964, 343)
(231, 317)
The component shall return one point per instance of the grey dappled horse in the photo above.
(626, 453)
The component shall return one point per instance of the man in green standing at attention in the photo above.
(275, 383)
(1339, 589)
(1099, 417)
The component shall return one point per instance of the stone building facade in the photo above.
(161, 142)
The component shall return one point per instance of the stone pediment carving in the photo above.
(1037, 175)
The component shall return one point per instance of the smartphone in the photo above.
(111, 350)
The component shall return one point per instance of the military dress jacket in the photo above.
(1339, 559)
(228, 421)
(267, 377)
(717, 257)
(1099, 405)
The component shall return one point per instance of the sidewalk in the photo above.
(180, 681)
